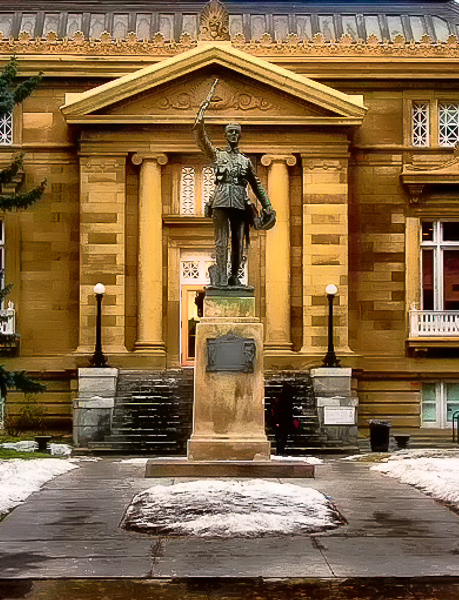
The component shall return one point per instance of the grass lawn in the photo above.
(6, 454)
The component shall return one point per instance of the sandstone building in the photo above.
(350, 112)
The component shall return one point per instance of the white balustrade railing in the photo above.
(8, 320)
(439, 323)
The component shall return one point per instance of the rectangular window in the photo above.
(444, 132)
(440, 265)
(188, 191)
(448, 124)
(2, 255)
(6, 130)
(420, 124)
(208, 185)
(197, 185)
(429, 403)
(440, 402)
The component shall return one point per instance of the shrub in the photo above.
(31, 417)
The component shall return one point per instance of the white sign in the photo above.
(342, 415)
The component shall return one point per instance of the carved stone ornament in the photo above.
(436, 173)
(266, 46)
(231, 353)
(214, 25)
(229, 98)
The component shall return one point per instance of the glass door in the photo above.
(192, 305)
(440, 401)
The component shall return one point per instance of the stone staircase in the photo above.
(152, 413)
(308, 437)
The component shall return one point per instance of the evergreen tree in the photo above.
(11, 94)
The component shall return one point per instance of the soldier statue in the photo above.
(229, 206)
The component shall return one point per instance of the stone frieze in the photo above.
(266, 46)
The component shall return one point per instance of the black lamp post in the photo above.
(330, 361)
(98, 359)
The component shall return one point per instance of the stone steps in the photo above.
(152, 413)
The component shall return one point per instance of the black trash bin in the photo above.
(379, 435)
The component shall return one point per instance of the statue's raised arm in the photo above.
(200, 134)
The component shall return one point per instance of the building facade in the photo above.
(350, 113)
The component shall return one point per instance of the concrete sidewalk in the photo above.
(71, 529)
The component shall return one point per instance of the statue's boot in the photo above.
(233, 280)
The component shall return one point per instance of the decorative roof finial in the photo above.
(214, 24)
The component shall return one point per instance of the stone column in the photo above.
(325, 250)
(278, 335)
(103, 250)
(150, 265)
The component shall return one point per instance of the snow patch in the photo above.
(434, 472)
(134, 461)
(20, 478)
(25, 446)
(217, 508)
(309, 460)
(30, 446)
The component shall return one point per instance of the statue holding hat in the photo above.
(230, 207)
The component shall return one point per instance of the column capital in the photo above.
(139, 158)
(268, 159)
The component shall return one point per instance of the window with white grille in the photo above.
(2, 254)
(7, 310)
(208, 184)
(6, 129)
(188, 191)
(191, 269)
(420, 124)
(448, 124)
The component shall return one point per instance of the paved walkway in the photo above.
(71, 529)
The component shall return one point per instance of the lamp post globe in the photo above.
(99, 288)
(331, 289)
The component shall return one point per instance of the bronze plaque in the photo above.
(231, 353)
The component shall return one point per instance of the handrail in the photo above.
(456, 429)
(438, 323)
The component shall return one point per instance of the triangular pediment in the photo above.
(250, 90)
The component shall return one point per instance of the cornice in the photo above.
(266, 47)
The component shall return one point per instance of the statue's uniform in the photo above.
(233, 171)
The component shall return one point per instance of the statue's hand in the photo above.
(268, 218)
(208, 209)
(205, 105)
(200, 116)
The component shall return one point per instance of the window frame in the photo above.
(441, 405)
(433, 103)
(425, 103)
(438, 246)
(10, 142)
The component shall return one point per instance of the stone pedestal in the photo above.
(337, 405)
(93, 407)
(228, 410)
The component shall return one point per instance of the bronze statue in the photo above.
(229, 206)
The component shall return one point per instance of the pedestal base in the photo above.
(233, 449)
(228, 408)
(182, 467)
